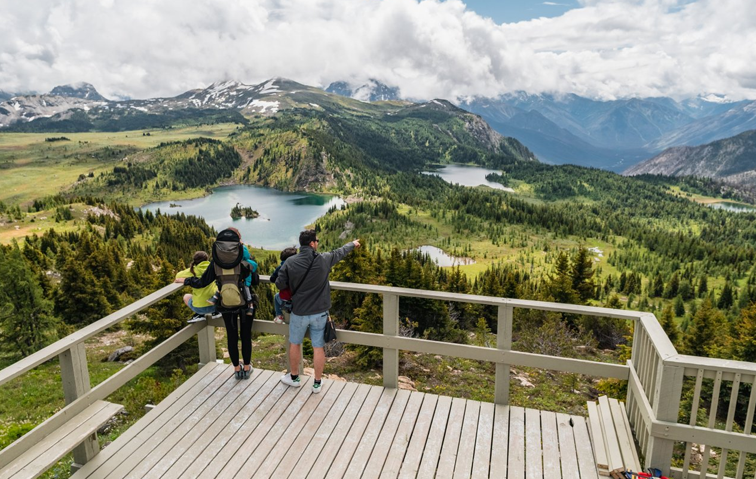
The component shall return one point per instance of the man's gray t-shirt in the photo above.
(313, 296)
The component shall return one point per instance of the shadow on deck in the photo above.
(217, 426)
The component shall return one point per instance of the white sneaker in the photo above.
(279, 320)
(196, 318)
(286, 379)
(316, 387)
(217, 315)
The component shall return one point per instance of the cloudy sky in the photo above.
(597, 48)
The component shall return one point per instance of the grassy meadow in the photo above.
(32, 167)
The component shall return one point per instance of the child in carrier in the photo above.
(282, 300)
(249, 298)
(199, 300)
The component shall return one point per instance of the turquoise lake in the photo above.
(282, 215)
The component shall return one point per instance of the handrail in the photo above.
(655, 372)
(58, 347)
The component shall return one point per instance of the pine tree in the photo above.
(667, 321)
(706, 334)
(560, 283)
(703, 286)
(581, 273)
(679, 306)
(80, 298)
(744, 341)
(670, 291)
(658, 286)
(726, 299)
(25, 315)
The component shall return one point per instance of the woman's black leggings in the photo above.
(232, 331)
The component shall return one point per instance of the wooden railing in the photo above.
(655, 374)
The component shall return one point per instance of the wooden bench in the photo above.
(43, 455)
(613, 443)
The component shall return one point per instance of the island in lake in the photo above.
(240, 211)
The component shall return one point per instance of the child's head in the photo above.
(288, 253)
(199, 256)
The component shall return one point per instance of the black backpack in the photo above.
(228, 258)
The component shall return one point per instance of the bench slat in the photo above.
(627, 446)
(597, 434)
(610, 436)
(40, 457)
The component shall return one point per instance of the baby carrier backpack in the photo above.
(227, 261)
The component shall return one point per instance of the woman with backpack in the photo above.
(230, 271)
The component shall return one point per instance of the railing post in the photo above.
(503, 342)
(666, 406)
(206, 343)
(75, 375)
(390, 328)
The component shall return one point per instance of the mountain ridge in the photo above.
(731, 160)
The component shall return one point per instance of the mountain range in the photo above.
(606, 134)
(731, 160)
(612, 135)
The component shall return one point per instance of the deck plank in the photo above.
(224, 445)
(308, 445)
(335, 427)
(567, 452)
(500, 443)
(214, 426)
(364, 448)
(516, 464)
(401, 441)
(414, 453)
(483, 440)
(450, 448)
(533, 459)
(297, 435)
(550, 441)
(466, 449)
(585, 459)
(141, 460)
(280, 397)
(179, 397)
(275, 421)
(175, 444)
(385, 440)
(435, 438)
(348, 430)
(212, 439)
(175, 414)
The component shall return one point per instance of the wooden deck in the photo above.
(216, 426)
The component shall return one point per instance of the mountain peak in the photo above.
(81, 90)
(370, 91)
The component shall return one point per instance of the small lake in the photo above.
(733, 207)
(468, 176)
(441, 258)
(282, 215)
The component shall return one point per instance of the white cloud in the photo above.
(429, 48)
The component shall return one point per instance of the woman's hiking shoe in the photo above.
(247, 372)
(239, 374)
(316, 387)
(286, 379)
(279, 320)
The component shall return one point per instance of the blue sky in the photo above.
(509, 11)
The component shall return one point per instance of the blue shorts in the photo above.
(298, 327)
(202, 310)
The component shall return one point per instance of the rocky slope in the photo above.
(732, 160)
